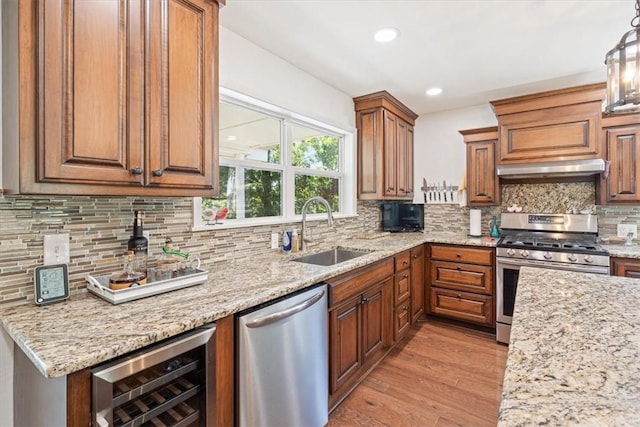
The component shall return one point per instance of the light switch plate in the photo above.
(624, 229)
(56, 249)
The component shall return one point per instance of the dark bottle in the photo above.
(138, 244)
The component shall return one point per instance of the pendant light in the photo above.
(623, 71)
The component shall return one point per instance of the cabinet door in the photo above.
(346, 352)
(370, 153)
(182, 83)
(402, 286)
(625, 267)
(482, 186)
(390, 155)
(90, 92)
(417, 283)
(402, 320)
(624, 155)
(373, 322)
(404, 158)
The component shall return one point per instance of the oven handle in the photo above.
(501, 262)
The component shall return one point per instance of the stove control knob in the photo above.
(572, 258)
(588, 258)
(547, 255)
(511, 252)
(524, 253)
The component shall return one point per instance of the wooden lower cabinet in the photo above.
(360, 325)
(462, 305)
(461, 283)
(625, 267)
(401, 319)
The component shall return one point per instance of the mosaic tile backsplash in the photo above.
(100, 226)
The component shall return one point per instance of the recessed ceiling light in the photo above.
(385, 35)
(434, 91)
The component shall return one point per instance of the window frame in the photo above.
(346, 174)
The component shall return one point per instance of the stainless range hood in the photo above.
(552, 169)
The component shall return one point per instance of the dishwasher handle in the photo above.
(272, 318)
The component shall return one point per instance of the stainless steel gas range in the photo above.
(560, 242)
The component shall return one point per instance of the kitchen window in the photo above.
(271, 162)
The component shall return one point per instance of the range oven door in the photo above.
(507, 272)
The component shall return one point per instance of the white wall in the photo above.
(251, 70)
(439, 151)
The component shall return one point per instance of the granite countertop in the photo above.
(574, 355)
(623, 251)
(86, 330)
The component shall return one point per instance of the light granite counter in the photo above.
(85, 330)
(623, 251)
(574, 355)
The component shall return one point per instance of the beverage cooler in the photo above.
(168, 384)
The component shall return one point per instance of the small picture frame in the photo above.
(51, 284)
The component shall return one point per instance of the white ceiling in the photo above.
(477, 51)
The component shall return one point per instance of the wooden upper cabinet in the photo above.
(622, 152)
(482, 181)
(117, 97)
(385, 147)
(550, 126)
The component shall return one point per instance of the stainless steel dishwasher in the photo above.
(283, 363)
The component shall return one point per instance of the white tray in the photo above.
(99, 286)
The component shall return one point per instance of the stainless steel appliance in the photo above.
(282, 368)
(560, 242)
(170, 383)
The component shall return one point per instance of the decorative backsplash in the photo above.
(100, 226)
(549, 198)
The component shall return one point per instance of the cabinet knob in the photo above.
(137, 170)
(459, 296)
(458, 255)
(458, 268)
(405, 262)
(405, 308)
(613, 195)
(157, 172)
(402, 190)
(404, 276)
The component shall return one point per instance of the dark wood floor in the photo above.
(439, 375)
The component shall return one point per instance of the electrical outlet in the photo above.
(275, 240)
(56, 249)
(624, 229)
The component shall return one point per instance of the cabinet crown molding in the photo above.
(385, 100)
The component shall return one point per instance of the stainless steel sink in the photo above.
(330, 257)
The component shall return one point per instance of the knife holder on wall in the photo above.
(442, 196)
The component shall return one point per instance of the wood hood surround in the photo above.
(556, 125)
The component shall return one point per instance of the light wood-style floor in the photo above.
(439, 375)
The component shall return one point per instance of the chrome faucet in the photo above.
(303, 233)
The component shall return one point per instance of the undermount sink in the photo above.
(330, 257)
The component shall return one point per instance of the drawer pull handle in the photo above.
(405, 262)
(458, 268)
(459, 296)
(458, 255)
(405, 308)
(158, 172)
(137, 170)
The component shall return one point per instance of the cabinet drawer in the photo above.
(403, 260)
(402, 320)
(462, 306)
(348, 285)
(462, 254)
(625, 267)
(401, 286)
(462, 277)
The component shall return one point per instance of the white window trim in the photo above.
(347, 158)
